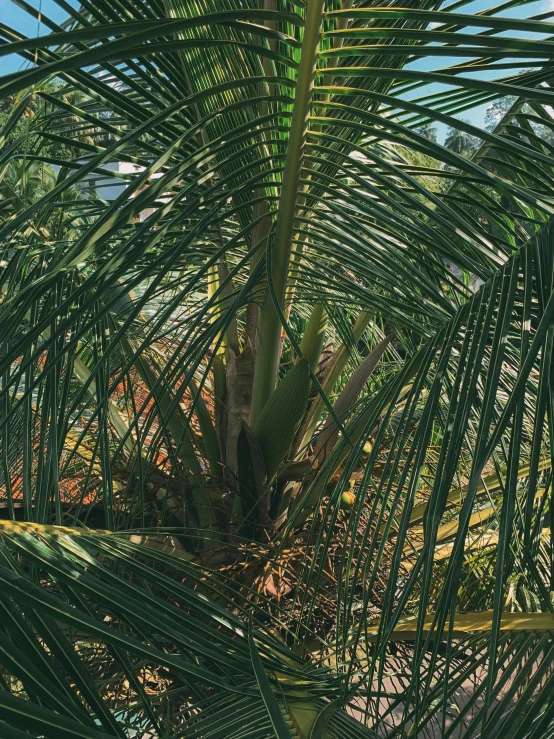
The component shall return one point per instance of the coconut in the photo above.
(347, 500)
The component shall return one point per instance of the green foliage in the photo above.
(461, 143)
(282, 414)
(276, 414)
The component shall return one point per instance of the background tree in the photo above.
(461, 143)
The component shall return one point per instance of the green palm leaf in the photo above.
(211, 215)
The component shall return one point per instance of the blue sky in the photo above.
(21, 21)
(18, 19)
(476, 116)
(13, 16)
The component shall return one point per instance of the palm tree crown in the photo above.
(275, 371)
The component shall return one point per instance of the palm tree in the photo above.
(461, 143)
(271, 466)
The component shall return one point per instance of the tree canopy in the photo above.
(276, 413)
